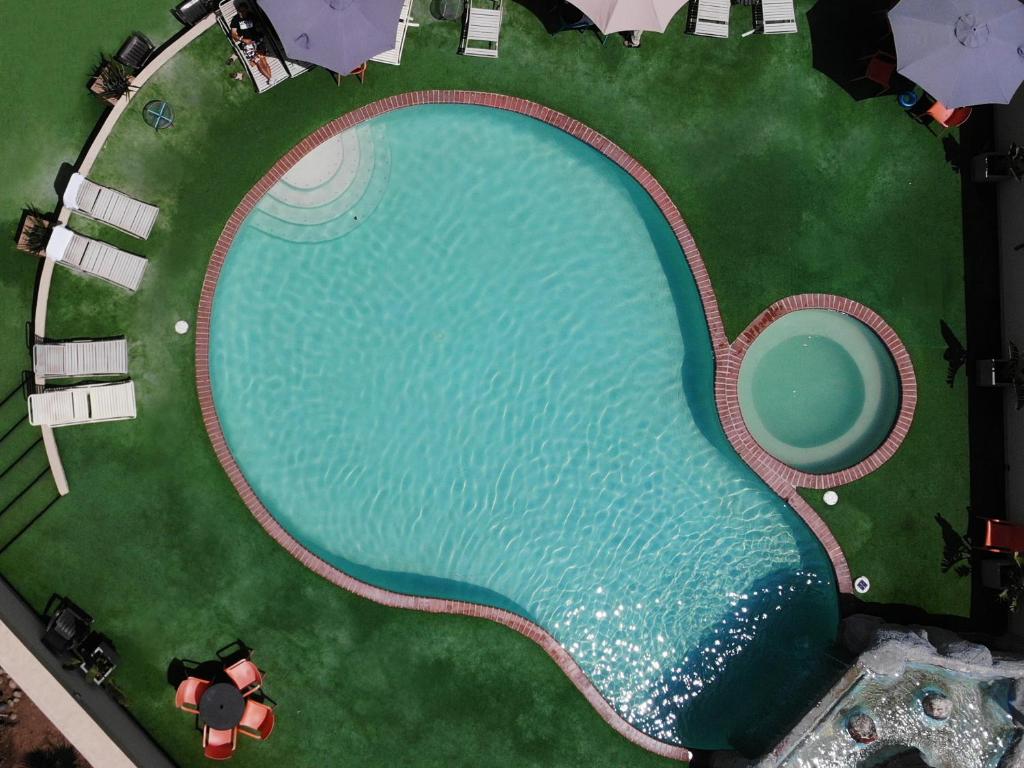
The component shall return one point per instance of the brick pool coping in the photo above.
(782, 476)
(726, 355)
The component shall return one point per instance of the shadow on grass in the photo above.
(844, 35)
(210, 669)
(956, 548)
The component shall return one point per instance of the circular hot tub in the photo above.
(819, 390)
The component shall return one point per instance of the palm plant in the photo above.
(1013, 592)
(37, 230)
(111, 80)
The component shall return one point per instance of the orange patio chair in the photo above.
(359, 72)
(1003, 536)
(188, 694)
(946, 117)
(219, 745)
(257, 720)
(246, 676)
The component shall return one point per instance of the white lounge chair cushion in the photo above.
(105, 357)
(81, 405)
(60, 240)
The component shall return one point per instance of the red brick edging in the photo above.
(781, 475)
(724, 353)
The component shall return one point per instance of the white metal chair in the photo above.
(281, 68)
(65, 359)
(405, 20)
(775, 17)
(711, 18)
(482, 25)
(110, 206)
(96, 258)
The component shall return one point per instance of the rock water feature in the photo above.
(916, 696)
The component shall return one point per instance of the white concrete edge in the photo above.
(140, 80)
(64, 216)
(54, 701)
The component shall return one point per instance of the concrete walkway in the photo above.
(98, 727)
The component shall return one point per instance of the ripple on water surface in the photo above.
(498, 388)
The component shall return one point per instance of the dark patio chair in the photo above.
(880, 70)
(232, 652)
(191, 12)
(67, 626)
(135, 52)
(569, 18)
(99, 657)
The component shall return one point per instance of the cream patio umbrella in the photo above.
(624, 15)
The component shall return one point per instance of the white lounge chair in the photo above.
(107, 357)
(280, 68)
(110, 206)
(83, 404)
(775, 17)
(405, 20)
(93, 257)
(482, 25)
(711, 18)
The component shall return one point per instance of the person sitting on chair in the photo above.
(246, 31)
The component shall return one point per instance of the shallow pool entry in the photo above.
(498, 388)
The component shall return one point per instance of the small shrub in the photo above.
(37, 232)
(112, 80)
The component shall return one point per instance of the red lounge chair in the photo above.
(188, 694)
(246, 676)
(219, 745)
(1003, 536)
(257, 720)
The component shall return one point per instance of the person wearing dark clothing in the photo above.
(247, 32)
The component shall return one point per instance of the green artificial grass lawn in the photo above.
(788, 185)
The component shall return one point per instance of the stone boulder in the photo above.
(937, 706)
(968, 653)
(862, 728)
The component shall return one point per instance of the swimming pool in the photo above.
(819, 390)
(461, 355)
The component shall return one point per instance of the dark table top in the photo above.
(221, 706)
(158, 114)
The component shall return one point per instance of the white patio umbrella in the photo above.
(962, 52)
(622, 15)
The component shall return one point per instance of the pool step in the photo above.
(331, 191)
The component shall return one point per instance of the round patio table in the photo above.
(158, 114)
(221, 706)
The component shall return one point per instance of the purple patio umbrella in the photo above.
(338, 35)
(962, 52)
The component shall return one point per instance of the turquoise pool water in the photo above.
(819, 390)
(458, 353)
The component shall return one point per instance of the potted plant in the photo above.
(1013, 581)
(35, 232)
(111, 80)
(999, 166)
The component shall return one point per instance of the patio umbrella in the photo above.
(622, 15)
(338, 35)
(962, 52)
